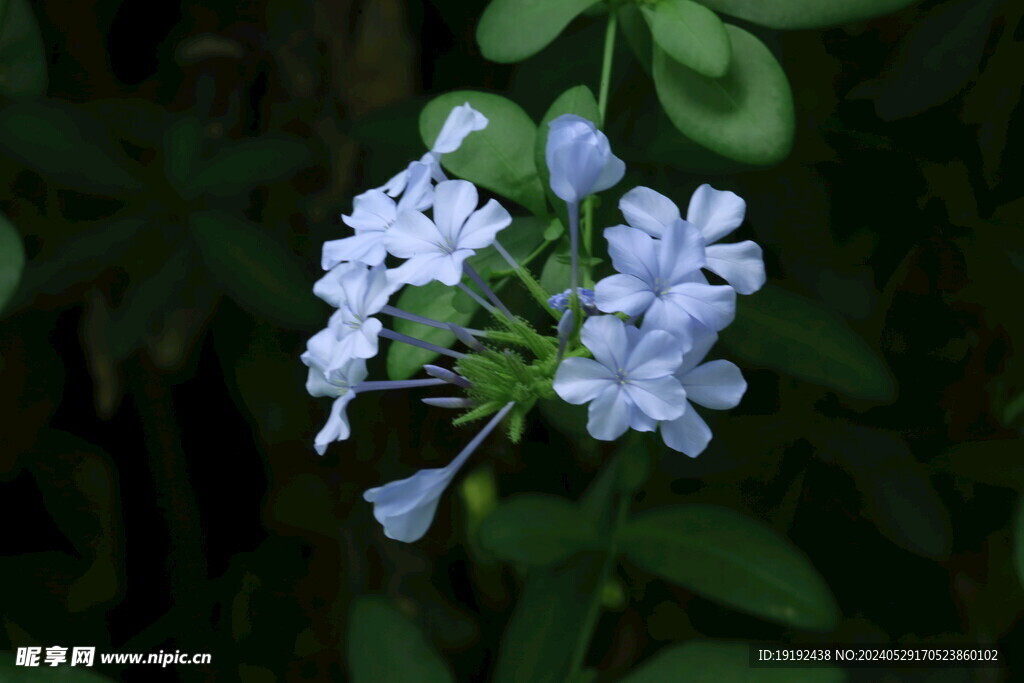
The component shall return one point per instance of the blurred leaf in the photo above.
(520, 239)
(896, 493)
(22, 53)
(384, 646)
(638, 35)
(256, 270)
(12, 260)
(432, 300)
(512, 30)
(732, 559)
(499, 157)
(536, 529)
(1018, 540)
(797, 336)
(935, 59)
(238, 167)
(183, 144)
(796, 14)
(556, 275)
(706, 661)
(10, 671)
(67, 145)
(577, 100)
(541, 636)
(746, 115)
(691, 34)
(998, 462)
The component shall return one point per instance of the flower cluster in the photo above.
(633, 347)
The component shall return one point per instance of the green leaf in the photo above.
(637, 34)
(12, 260)
(732, 559)
(261, 274)
(512, 30)
(541, 636)
(746, 115)
(519, 239)
(1018, 540)
(238, 167)
(691, 34)
(800, 337)
(705, 661)
(578, 100)
(65, 673)
(432, 300)
(22, 53)
(499, 157)
(383, 646)
(556, 276)
(796, 14)
(67, 145)
(183, 144)
(537, 529)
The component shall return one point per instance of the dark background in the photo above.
(159, 486)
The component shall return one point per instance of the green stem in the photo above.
(579, 653)
(602, 106)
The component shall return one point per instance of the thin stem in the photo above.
(429, 322)
(482, 284)
(385, 385)
(574, 242)
(579, 653)
(531, 284)
(412, 341)
(479, 299)
(606, 66)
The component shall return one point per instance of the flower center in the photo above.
(621, 377)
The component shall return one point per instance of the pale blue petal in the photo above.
(740, 264)
(419, 191)
(412, 234)
(337, 428)
(483, 226)
(406, 508)
(665, 314)
(372, 210)
(454, 201)
(605, 336)
(656, 354)
(579, 380)
(681, 252)
(660, 399)
(702, 339)
(462, 121)
(633, 252)
(420, 270)
(449, 268)
(687, 434)
(623, 293)
(640, 421)
(365, 247)
(608, 414)
(377, 292)
(718, 385)
(711, 305)
(648, 210)
(316, 383)
(575, 167)
(611, 174)
(715, 212)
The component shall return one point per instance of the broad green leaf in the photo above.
(65, 673)
(512, 30)
(537, 529)
(259, 272)
(67, 145)
(798, 336)
(22, 53)
(541, 635)
(384, 646)
(499, 157)
(796, 14)
(578, 100)
(746, 115)
(706, 661)
(637, 34)
(238, 167)
(12, 260)
(432, 300)
(691, 34)
(730, 558)
(556, 276)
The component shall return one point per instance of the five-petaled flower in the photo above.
(358, 292)
(337, 383)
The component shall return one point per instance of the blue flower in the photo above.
(718, 385)
(358, 292)
(436, 249)
(406, 507)
(661, 279)
(580, 159)
(560, 301)
(715, 213)
(629, 383)
(338, 384)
